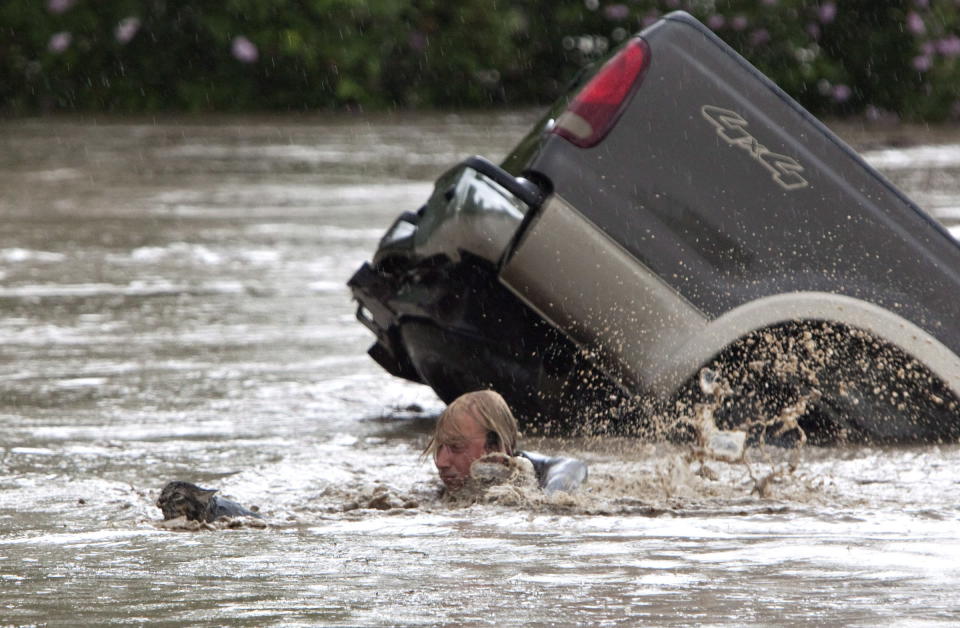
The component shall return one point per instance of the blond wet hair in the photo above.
(489, 409)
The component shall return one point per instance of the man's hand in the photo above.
(496, 457)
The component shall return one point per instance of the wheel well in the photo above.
(840, 383)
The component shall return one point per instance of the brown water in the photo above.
(172, 306)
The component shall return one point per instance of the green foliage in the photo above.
(890, 57)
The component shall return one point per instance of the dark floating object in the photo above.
(676, 211)
(183, 499)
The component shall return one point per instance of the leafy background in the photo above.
(877, 58)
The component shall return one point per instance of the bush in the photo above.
(855, 57)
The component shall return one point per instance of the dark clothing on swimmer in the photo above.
(556, 474)
(183, 499)
(222, 507)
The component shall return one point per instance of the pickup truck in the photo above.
(676, 231)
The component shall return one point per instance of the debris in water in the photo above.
(726, 445)
(380, 497)
(182, 524)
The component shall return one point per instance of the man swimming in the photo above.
(479, 423)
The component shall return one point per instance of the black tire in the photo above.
(826, 383)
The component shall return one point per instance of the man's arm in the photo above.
(557, 474)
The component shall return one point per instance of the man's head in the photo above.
(473, 425)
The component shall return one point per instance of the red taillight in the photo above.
(596, 108)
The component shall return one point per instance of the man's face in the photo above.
(464, 442)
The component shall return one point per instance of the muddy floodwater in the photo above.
(172, 306)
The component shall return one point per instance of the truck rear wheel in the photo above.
(823, 382)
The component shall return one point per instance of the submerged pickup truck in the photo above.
(674, 226)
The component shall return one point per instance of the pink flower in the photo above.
(244, 50)
(949, 46)
(827, 12)
(59, 6)
(126, 29)
(915, 23)
(59, 42)
(739, 23)
(616, 11)
(813, 29)
(759, 37)
(922, 63)
(716, 21)
(841, 93)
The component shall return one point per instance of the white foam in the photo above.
(134, 288)
(18, 255)
(82, 382)
(914, 158)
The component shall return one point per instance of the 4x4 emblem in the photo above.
(732, 128)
